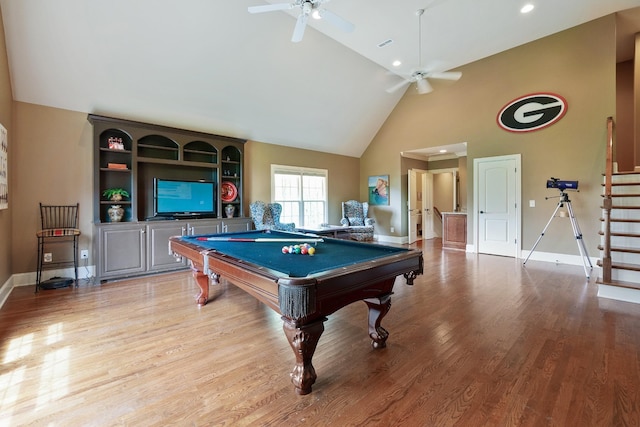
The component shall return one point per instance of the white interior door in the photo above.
(428, 217)
(412, 208)
(497, 186)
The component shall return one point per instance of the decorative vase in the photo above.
(229, 210)
(116, 212)
(116, 197)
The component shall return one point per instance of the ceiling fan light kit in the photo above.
(423, 85)
(421, 75)
(307, 8)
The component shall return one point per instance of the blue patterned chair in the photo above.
(354, 216)
(267, 216)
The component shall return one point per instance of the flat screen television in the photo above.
(183, 198)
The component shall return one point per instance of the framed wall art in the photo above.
(4, 160)
(379, 190)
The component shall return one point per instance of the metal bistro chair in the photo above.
(59, 225)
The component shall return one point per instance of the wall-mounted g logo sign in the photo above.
(532, 112)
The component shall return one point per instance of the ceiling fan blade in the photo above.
(423, 86)
(298, 31)
(336, 20)
(271, 7)
(398, 86)
(448, 75)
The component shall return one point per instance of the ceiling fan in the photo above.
(307, 8)
(421, 74)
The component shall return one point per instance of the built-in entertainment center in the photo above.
(178, 182)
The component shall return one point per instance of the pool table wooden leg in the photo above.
(303, 341)
(203, 283)
(378, 308)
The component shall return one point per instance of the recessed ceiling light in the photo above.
(443, 151)
(397, 63)
(527, 8)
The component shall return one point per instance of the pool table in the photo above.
(304, 289)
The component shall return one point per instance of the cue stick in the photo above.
(257, 240)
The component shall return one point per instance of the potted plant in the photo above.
(115, 212)
(115, 194)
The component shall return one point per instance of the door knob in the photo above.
(481, 211)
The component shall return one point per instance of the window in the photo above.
(302, 192)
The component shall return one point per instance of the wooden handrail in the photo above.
(606, 252)
(437, 211)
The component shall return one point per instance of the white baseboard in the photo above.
(558, 258)
(550, 257)
(29, 279)
(618, 293)
(5, 290)
(535, 256)
(391, 239)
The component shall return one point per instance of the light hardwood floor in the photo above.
(477, 341)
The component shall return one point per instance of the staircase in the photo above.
(620, 233)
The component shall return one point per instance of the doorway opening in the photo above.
(436, 184)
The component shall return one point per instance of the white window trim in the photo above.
(300, 170)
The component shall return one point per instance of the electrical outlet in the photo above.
(48, 257)
(392, 229)
(84, 254)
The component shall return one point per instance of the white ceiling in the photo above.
(209, 65)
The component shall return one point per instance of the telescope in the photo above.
(564, 200)
(562, 185)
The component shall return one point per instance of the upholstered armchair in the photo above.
(267, 216)
(355, 216)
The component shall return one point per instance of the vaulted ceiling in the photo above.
(211, 66)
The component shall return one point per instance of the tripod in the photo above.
(564, 199)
